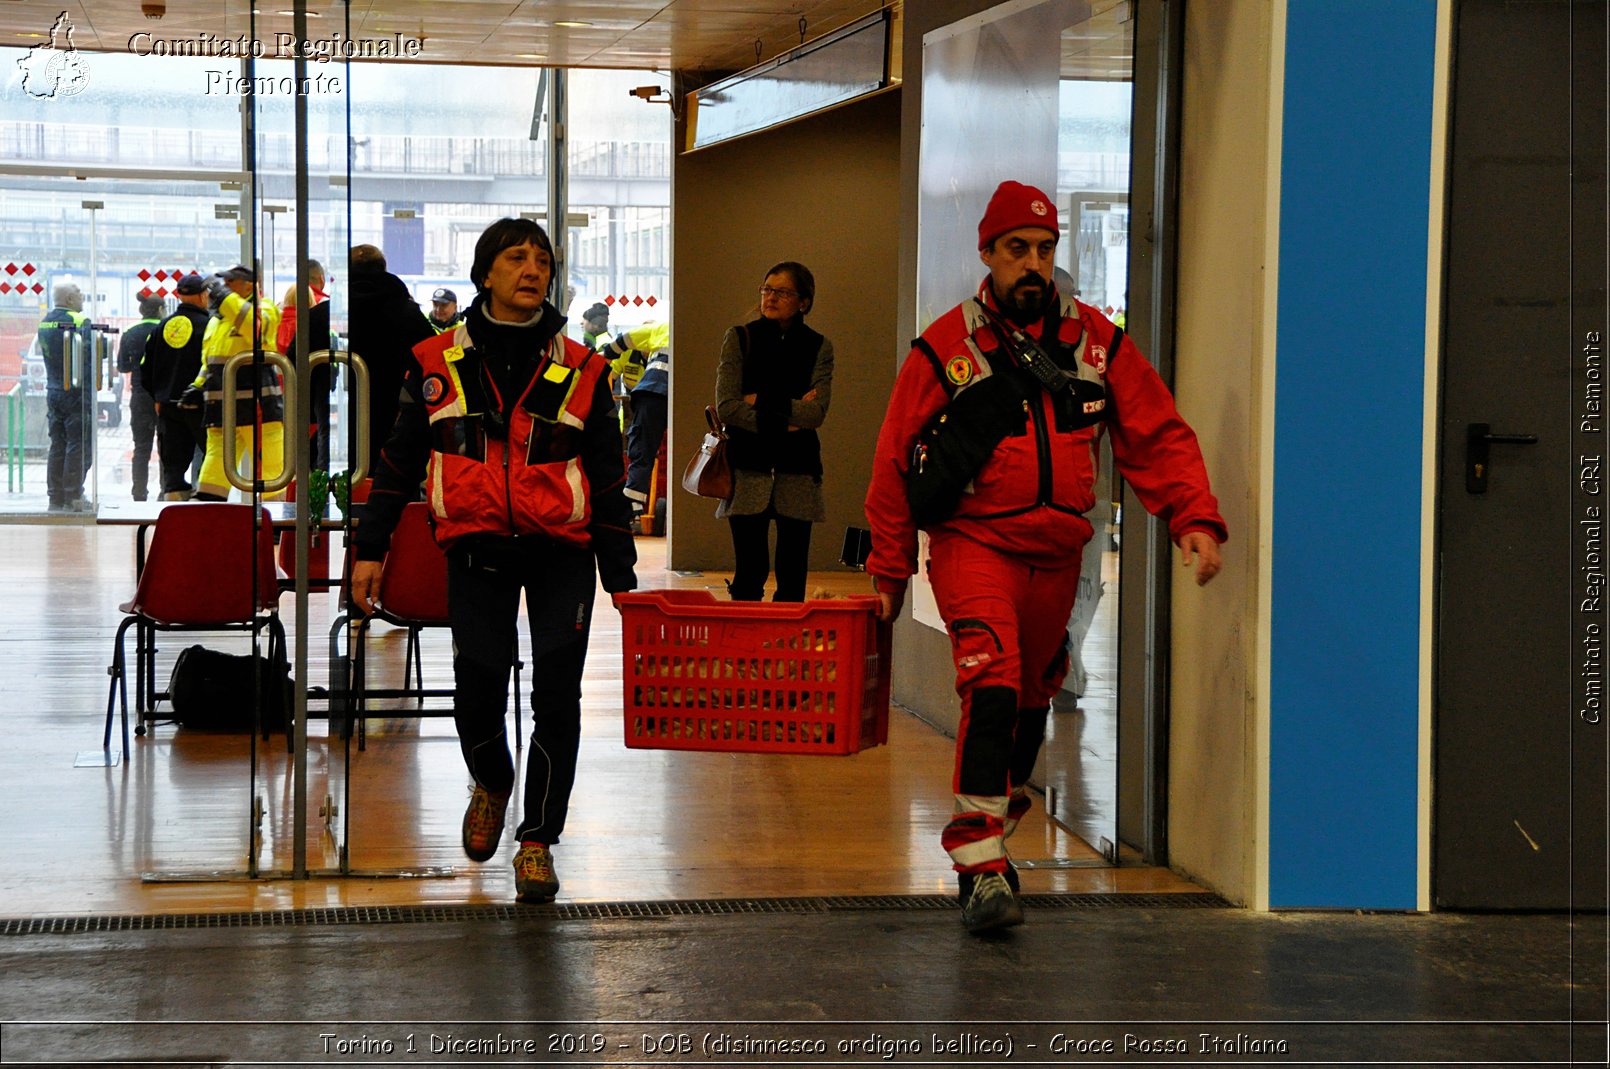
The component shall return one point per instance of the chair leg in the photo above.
(145, 676)
(419, 664)
(413, 666)
(116, 686)
(340, 679)
(276, 656)
(358, 650)
(518, 706)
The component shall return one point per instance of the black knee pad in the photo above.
(1027, 742)
(987, 748)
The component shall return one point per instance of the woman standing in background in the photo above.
(773, 386)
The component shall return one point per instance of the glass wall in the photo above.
(435, 153)
(115, 189)
(121, 174)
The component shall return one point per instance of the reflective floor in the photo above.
(81, 837)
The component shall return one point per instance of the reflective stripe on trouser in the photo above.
(1008, 628)
(483, 597)
(212, 479)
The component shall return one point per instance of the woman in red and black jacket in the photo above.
(512, 428)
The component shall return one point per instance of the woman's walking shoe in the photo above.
(534, 879)
(991, 905)
(483, 822)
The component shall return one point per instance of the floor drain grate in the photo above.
(702, 907)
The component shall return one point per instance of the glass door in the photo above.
(298, 155)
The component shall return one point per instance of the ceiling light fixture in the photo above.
(573, 25)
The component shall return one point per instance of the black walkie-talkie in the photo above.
(1089, 398)
(1033, 360)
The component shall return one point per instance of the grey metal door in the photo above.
(1519, 788)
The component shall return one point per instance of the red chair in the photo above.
(200, 575)
(413, 594)
(413, 586)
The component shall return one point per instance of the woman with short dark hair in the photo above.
(773, 387)
(512, 428)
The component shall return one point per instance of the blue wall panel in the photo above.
(1350, 367)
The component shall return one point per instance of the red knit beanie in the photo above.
(1016, 205)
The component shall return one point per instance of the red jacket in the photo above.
(528, 481)
(1028, 498)
(285, 335)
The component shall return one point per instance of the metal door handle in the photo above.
(1478, 442)
(359, 465)
(231, 371)
(73, 356)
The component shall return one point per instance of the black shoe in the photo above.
(964, 882)
(991, 905)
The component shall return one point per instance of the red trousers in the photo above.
(1008, 626)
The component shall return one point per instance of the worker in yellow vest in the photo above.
(243, 320)
(641, 361)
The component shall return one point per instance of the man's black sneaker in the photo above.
(992, 904)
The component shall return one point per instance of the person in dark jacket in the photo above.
(773, 387)
(172, 362)
(512, 427)
(142, 406)
(444, 313)
(65, 343)
(595, 325)
(383, 326)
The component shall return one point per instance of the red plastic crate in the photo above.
(753, 677)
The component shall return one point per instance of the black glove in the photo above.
(194, 397)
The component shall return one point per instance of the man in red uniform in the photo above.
(989, 445)
(512, 428)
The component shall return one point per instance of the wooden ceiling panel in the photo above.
(626, 34)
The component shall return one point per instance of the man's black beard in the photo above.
(1021, 308)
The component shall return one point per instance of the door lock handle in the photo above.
(1479, 440)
